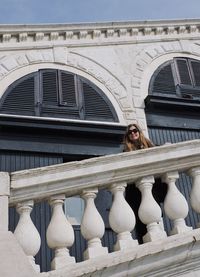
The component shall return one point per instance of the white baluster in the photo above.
(92, 226)
(26, 232)
(195, 192)
(60, 234)
(122, 218)
(175, 204)
(149, 211)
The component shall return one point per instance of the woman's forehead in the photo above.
(132, 127)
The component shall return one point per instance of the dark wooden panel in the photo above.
(161, 135)
(49, 136)
(170, 121)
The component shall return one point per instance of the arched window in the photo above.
(57, 93)
(179, 77)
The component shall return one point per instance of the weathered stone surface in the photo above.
(13, 261)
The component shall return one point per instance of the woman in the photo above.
(134, 139)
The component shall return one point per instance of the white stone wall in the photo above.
(119, 58)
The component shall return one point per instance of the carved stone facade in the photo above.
(119, 58)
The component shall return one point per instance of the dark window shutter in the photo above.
(57, 94)
(19, 98)
(59, 98)
(196, 72)
(96, 106)
(49, 87)
(164, 81)
(183, 72)
(178, 78)
(68, 94)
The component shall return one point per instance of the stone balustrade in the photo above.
(113, 173)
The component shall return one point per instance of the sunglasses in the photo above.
(133, 131)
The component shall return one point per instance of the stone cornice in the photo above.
(99, 32)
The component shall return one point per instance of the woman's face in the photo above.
(133, 133)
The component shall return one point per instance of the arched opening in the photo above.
(57, 94)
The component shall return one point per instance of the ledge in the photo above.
(71, 178)
(105, 31)
(167, 257)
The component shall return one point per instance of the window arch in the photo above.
(59, 94)
(179, 77)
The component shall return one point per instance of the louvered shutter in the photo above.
(183, 72)
(49, 87)
(196, 72)
(96, 105)
(57, 94)
(68, 95)
(59, 99)
(19, 98)
(163, 82)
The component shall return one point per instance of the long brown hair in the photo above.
(141, 143)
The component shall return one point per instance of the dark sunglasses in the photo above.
(133, 131)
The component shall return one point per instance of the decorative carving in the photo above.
(110, 33)
(182, 30)
(54, 36)
(69, 34)
(3, 72)
(193, 29)
(6, 37)
(134, 31)
(147, 31)
(122, 32)
(102, 31)
(83, 34)
(39, 36)
(96, 33)
(23, 37)
(171, 30)
(159, 31)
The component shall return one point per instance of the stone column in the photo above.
(4, 205)
(60, 234)
(195, 192)
(149, 211)
(122, 218)
(175, 204)
(26, 232)
(92, 226)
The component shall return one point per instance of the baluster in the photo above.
(60, 234)
(175, 204)
(92, 226)
(122, 218)
(26, 232)
(195, 191)
(149, 211)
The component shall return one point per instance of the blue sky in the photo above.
(72, 11)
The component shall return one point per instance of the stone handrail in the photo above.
(71, 178)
